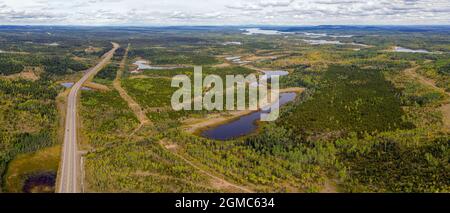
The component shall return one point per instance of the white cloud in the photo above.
(275, 3)
(219, 12)
(244, 6)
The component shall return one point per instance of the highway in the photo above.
(70, 169)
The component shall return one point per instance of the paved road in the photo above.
(69, 175)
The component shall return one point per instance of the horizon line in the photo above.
(231, 25)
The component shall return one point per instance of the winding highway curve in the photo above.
(70, 169)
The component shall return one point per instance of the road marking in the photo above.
(70, 158)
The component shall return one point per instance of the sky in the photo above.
(224, 12)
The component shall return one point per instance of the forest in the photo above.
(28, 118)
(369, 120)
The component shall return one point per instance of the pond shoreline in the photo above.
(210, 122)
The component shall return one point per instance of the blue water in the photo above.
(244, 125)
(70, 84)
(406, 50)
(67, 84)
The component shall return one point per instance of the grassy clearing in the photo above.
(25, 165)
(150, 92)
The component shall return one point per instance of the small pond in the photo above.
(70, 84)
(143, 65)
(40, 183)
(244, 125)
(406, 50)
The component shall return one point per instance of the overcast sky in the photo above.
(224, 12)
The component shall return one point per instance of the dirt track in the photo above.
(135, 107)
(445, 109)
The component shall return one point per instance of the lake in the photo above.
(406, 50)
(321, 42)
(244, 125)
(236, 60)
(143, 65)
(232, 43)
(255, 31)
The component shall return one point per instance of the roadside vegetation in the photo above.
(370, 120)
(361, 126)
(31, 67)
(28, 118)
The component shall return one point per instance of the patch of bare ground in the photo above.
(254, 58)
(96, 86)
(147, 76)
(222, 65)
(15, 52)
(445, 108)
(170, 146)
(29, 73)
(158, 109)
(248, 66)
(139, 77)
(216, 181)
(192, 125)
(92, 49)
(292, 89)
(329, 187)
